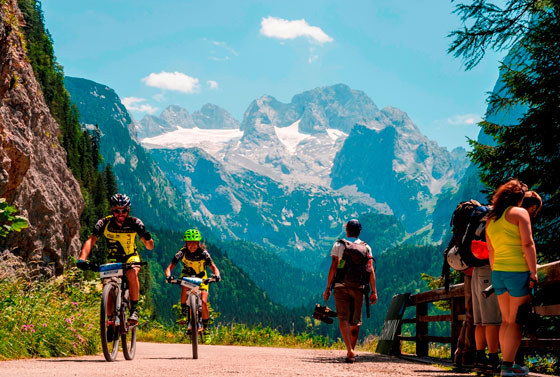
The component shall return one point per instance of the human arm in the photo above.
(332, 273)
(148, 243)
(373, 294)
(169, 269)
(490, 251)
(86, 248)
(527, 243)
(215, 271)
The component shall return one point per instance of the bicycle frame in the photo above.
(113, 323)
(194, 303)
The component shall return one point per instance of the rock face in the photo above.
(33, 172)
(154, 199)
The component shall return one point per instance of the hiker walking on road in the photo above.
(350, 274)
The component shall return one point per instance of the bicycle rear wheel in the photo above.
(108, 329)
(193, 307)
(129, 337)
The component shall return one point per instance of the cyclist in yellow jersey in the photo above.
(120, 230)
(195, 260)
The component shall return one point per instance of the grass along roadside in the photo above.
(47, 317)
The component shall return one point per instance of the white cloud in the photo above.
(220, 51)
(159, 97)
(135, 104)
(464, 119)
(274, 27)
(172, 81)
(212, 84)
(225, 46)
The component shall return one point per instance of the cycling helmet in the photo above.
(192, 235)
(120, 200)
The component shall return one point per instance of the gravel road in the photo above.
(174, 360)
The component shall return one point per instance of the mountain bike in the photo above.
(194, 305)
(115, 306)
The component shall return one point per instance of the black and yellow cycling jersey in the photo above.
(121, 240)
(194, 264)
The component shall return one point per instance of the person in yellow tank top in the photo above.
(514, 265)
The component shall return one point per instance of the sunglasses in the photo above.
(119, 211)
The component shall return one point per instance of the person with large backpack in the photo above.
(350, 274)
(486, 311)
(464, 354)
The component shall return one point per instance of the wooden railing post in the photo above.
(421, 329)
(457, 307)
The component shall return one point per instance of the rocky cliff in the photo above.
(33, 172)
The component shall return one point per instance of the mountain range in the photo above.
(334, 138)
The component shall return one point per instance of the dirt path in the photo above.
(174, 360)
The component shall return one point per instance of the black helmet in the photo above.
(120, 200)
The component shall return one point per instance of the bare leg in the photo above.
(183, 295)
(510, 333)
(204, 298)
(480, 337)
(346, 337)
(354, 332)
(134, 285)
(492, 337)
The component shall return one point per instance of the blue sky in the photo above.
(188, 53)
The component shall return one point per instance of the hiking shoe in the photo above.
(514, 370)
(457, 359)
(467, 359)
(133, 319)
(322, 317)
(493, 367)
(325, 310)
(481, 365)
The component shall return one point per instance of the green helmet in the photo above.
(192, 235)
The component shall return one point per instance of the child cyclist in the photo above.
(195, 259)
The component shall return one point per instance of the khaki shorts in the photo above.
(348, 303)
(486, 310)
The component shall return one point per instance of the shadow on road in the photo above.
(74, 360)
(168, 358)
(360, 358)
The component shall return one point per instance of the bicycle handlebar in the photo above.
(95, 266)
(211, 279)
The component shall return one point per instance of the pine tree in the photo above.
(527, 150)
(110, 181)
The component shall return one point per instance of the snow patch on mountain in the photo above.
(212, 141)
(290, 136)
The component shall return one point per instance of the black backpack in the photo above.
(352, 268)
(460, 220)
(475, 237)
(468, 223)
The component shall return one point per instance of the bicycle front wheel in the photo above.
(193, 307)
(129, 337)
(108, 329)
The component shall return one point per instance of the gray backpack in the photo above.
(352, 268)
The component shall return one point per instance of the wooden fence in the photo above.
(549, 277)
